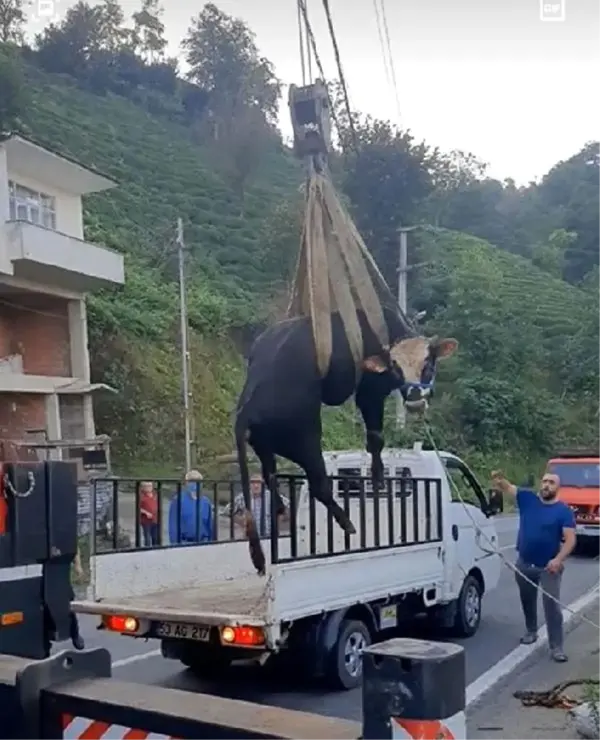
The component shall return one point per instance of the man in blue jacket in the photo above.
(195, 509)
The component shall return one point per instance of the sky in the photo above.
(512, 81)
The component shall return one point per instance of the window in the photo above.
(402, 487)
(577, 474)
(29, 205)
(463, 484)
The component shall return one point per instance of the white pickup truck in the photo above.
(326, 595)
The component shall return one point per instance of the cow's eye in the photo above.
(428, 370)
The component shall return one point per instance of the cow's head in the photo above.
(411, 364)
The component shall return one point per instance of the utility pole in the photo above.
(403, 270)
(185, 354)
(402, 302)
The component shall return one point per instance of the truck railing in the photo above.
(409, 686)
(124, 525)
(403, 512)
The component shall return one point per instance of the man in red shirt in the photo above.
(149, 514)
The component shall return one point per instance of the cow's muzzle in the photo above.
(416, 406)
(415, 396)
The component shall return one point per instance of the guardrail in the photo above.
(411, 688)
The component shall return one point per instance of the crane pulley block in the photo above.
(311, 119)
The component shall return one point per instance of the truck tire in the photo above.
(345, 660)
(468, 608)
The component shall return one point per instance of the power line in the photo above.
(301, 44)
(338, 62)
(381, 43)
(390, 57)
(313, 45)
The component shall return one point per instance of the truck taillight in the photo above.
(243, 636)
(119, 623)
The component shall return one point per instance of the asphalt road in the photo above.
(498, 634)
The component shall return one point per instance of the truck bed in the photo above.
(242, 600)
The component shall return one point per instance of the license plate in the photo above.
(183, 631)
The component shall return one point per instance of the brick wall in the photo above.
(36, 327)
(19, 414)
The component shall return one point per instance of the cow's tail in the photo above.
(256, 552)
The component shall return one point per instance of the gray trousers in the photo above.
(528, 592)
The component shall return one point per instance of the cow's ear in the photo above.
(374, 364)
(446, 348)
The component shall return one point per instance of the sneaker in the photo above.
(529, 638)
(558, 656)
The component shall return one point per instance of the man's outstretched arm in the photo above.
(500, 483)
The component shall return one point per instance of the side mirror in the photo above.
(496, 502)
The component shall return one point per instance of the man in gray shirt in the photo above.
(262, 515)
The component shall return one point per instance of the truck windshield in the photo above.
(577, 475)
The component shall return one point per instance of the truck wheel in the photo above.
(345, 662)
(468, 608)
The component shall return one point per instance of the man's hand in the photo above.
(500, 483)
(554, 565)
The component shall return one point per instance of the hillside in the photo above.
(467, 288)
(512, 390)
(162, 174)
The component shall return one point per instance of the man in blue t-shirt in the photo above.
(546, 539)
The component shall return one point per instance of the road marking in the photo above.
(135, 658)
(484, 683)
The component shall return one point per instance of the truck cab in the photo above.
(579, 473)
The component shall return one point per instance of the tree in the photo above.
(224, 60)
(70, 46)
(550, 256)
(243, 146)
(12, 20)
(112, 35)
(149, 31)
(12, 83)
(572, 190)
(452, 173)
(386, 180)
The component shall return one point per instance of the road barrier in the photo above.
(409, 686)
(414, 689)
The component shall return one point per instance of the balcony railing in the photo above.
(45, 255)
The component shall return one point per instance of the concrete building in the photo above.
(46, 270)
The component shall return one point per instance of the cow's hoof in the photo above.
(343, 520)
(257, 555)
(258, 559)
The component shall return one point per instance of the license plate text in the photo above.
(183, 631)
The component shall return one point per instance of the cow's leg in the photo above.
(309, 456)
(269, 474)
(371, 407)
